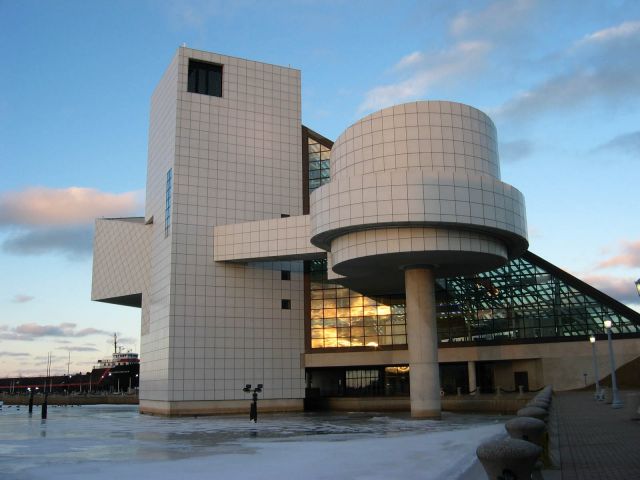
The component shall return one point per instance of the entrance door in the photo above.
(485, 377)
(521, 378)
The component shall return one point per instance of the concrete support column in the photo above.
(471, 368)
(422, 340)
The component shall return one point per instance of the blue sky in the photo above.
(560, 79)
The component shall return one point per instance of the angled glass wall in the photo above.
(528, 299)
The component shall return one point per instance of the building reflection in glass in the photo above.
(341, 317)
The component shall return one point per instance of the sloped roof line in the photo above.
(583, 287)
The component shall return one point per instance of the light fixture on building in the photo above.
(616, 401)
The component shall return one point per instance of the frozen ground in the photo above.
(114, 441)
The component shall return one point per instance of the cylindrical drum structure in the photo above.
(416, 185)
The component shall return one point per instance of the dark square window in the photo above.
(285, 275)
(286, 304)
(284, 215)
(205, 78)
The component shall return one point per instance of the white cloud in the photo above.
(37, 206)
(497, 18)
(32, 330)
(410, 60)
(42, 220)
(626, 143)
(598, 68)
(515, 150)
(628, 257)
(620, 288)
(427, 71)
(624, 30)
(21, 298)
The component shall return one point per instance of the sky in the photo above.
(561, 80)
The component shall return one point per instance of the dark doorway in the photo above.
(521, 378)
(485, 377)
(452, 376)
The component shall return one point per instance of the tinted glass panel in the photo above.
(205, 78)
(341, 317)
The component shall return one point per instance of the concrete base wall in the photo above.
(367, 404)
(153, 407)
(561, 364)
(504, 404)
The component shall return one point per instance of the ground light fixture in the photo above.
(597, 395)
(616, 401)
(253, 411)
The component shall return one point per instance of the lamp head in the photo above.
(592, 339)
(247, 388)
(607, 324)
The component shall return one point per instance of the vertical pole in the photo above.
(616, 402)
(595, 370)
(422, 339)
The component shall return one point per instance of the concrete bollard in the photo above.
(535, 412)
(508, 458)
(459, 391)
(526, 428)
(520, 390)
(498, 391)
(538, 403)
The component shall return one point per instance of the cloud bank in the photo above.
(40, 220)
(628, 257)
(626, 143)
(21, 298)
(32, 331)
(603, 66)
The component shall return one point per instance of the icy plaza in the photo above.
(109, 441)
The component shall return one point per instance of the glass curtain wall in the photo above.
(341, 317)
(525, 299)
(319, 157)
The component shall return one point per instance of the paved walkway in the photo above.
(595, 441)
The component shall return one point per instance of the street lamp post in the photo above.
(253, 412)
(616, 402)
(592, 339)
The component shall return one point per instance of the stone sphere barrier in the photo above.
(539, 404)
(526, 428)
(535, 412)
(508, 458)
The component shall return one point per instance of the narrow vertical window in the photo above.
(167, 204)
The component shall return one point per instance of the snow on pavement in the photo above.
(110, 442)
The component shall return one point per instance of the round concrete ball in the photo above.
(535, 412)
(538, 403)
(508, 456)
(526, 428)
(546, 398)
